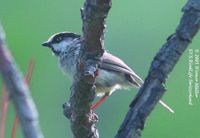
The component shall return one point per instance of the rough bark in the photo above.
(78, 109)
(18, 92)
(162, 64)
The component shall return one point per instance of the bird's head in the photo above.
(60, 41)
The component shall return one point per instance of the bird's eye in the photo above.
(58, 39)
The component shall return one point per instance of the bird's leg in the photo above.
(94, 106)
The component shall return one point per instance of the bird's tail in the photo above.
(166, 106)
(138, 82)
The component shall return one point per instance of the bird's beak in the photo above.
(46, 44)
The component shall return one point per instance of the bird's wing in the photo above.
(112, 63)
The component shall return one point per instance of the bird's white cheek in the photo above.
(62, 45)
(57, 47)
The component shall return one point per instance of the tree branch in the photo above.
(19, 93)
(163, 63)
(78, 110)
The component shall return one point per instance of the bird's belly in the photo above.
(102, 90)
(108, 81)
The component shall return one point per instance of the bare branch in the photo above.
(163, 63)
(19, 93)
(82, 119)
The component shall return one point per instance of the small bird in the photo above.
(113, 72)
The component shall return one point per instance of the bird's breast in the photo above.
(68, 66)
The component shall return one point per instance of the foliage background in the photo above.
(135, 32)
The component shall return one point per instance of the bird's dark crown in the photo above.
(56, 38)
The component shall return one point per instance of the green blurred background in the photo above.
(136, 29)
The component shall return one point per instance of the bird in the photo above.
(113, 73)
